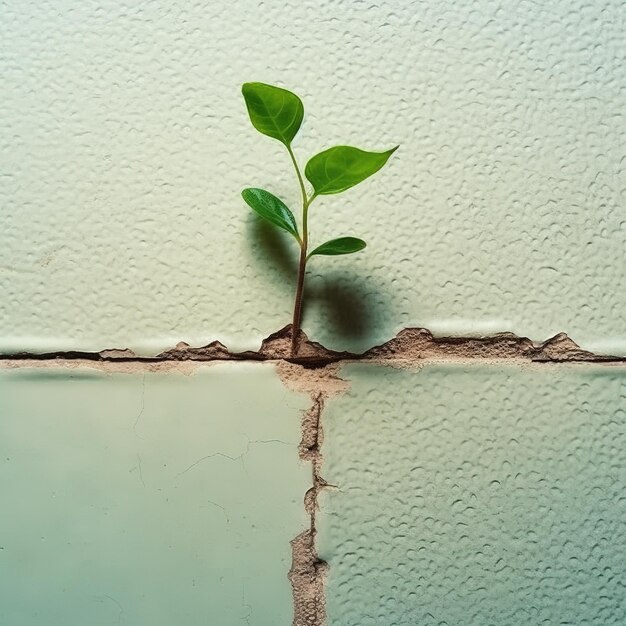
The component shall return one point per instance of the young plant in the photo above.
(278, 113)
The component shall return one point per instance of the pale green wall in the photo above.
(155, 499)
(478, 495)
(126, 143)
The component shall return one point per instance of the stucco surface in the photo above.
(476, 495)
(148, 499)
(125, 144)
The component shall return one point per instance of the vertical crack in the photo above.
(308, 572)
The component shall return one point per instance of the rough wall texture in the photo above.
(476, 495)
(125, 144)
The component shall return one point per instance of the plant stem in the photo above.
(305, 200)
(297, 309)
(304, 242)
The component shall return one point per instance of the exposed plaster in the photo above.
(308, 571)
(111, 366)
(411, 346)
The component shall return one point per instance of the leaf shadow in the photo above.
(350, 305)
(273, 248)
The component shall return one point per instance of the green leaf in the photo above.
(342, 167)
(273, 111)
(343, 245)
(272, 209)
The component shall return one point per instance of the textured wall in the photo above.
(476, 495)
(125, 144)
(467, 495)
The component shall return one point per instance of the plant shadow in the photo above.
(272, 248)
(347, 305)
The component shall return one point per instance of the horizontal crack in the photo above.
(409, 346)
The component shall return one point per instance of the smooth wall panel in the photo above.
(476, 495)
(148, 498)
(125, 144)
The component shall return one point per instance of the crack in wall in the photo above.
(315, 372)
(308, 571)
(409, 347)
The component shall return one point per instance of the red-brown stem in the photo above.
(297, 309)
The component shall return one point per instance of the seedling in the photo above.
(278, 113)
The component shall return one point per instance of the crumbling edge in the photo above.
(308, 572)
(411, 346)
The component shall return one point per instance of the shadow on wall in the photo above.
(347, 303)
(271, 247)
